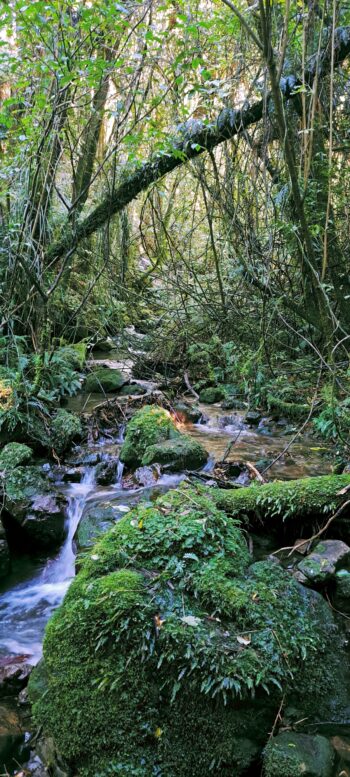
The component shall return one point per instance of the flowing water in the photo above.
(36, 587)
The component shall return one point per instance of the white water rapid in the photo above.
(26, 608)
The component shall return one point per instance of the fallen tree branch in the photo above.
(194, 138)
(188, 385)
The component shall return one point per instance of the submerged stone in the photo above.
(298, 755)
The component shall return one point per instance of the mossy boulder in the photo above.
(149, 426)
(66, 429)
(211, 395)
(134, 389)
(13, 454)
(168, 634)
(105, 380)
(341, 596)
(298, 755)
(180, 453)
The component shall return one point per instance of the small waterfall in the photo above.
(26, 608)
(120, 470)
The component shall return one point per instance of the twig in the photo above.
(292, 548)
(188, 385)
(254, 471)
(277, 718)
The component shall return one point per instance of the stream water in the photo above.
(36, 587)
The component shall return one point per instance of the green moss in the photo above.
(74, 354)
(149, 426)
(180, 453)
(291, 500)
(104, 379)
(22, 483)
(13, 454)
(166, 635)
(293, 410)
(298, 755)
(211, 395)
(65, 429)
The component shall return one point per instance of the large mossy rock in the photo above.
(152, 437)
(149, 426)
(180, 453)
(33, 508)
(105, 380)
(66, 429)
(171, 653)
(13, 454)
(211, 395)
(298, 755)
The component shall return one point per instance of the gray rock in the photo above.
(326, 558)
(253, 417)
(106, 472)
(290, 754)
(147, 476)
(14, 675)
(44, 521)
(187, 412)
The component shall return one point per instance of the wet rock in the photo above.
(134, 389)
(4, 553)
(14, 674)
(233, 421)
(44, 520)
(106, 472)
(105, 380)
(232, 404)
(33, 505)
(147, 476)
(97, 519)
(177, 454)
(72, 474)
(11, 732)
(321, 565)
(47, 752)
(252, 417)
(187, 412)
(341, 596)
(290, 754)
(35, 767)
(86, 458)
(211, 395)
(13, 454)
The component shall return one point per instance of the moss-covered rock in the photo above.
(104, 379)
(180, 453)
(298, 755)
(13, 454)
(65, 430)
(277, 503)
(134, 389)
(167, 635)
(211, 395)
(149, 426)
(341, 596)
(187, 412)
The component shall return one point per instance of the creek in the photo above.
(36, 587)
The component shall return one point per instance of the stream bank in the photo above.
(33, 591)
